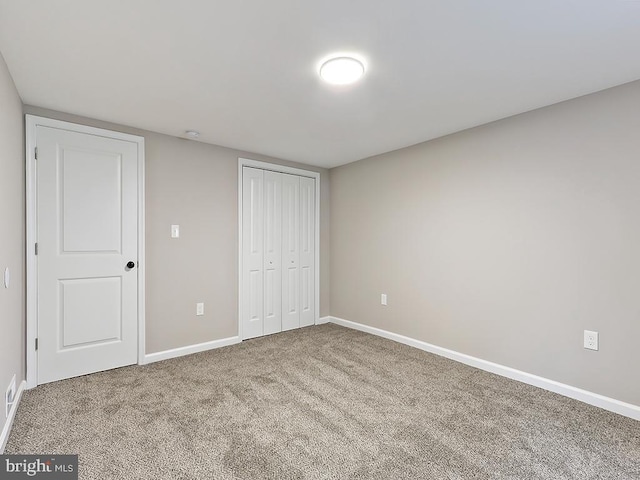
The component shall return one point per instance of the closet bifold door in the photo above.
(252, 252)
(307, 251)
(272, 252)
(290, 251)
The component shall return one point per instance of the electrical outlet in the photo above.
(590, 340)
(199, 308)
(383, 299)
(175, 231)
(10, 397)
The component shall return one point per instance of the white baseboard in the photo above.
(607, 403)
(323, 320)
(4, 436)
(200, 347)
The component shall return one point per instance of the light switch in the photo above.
(199, 309)
(175, 231)
(7, 277)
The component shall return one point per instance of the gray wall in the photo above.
(195, 185)
(12, 226)
(505, 241)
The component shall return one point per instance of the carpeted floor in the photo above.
(321, 402)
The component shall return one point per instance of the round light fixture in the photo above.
(341, 70)
(192, 134)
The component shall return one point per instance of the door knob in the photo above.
(131, 265)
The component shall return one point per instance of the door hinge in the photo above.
(36, 344)
(36, 153)
(36, 248)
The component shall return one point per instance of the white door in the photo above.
(307, 251)
(290, 251)
(87, 217)
(278, 252)
(272, 252)
(252, 252)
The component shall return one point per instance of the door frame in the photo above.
(32, 122)
(273, 167)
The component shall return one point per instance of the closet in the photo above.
(278, 252)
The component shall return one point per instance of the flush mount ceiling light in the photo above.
(192, 134)
(341, 70)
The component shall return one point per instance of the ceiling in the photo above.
(245, 72)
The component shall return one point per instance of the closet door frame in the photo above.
(245, 162)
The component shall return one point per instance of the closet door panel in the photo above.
(290, 252)
(252, 252)
(272, 252)
(307, 251)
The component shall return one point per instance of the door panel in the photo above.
(90, 311)
(291, 251)
(91, 201)
(87, 222)
(306, 300)
(255, 296)
(253, 252)
(307, 251)
(273, 252)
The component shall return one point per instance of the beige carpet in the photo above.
(321, 402)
